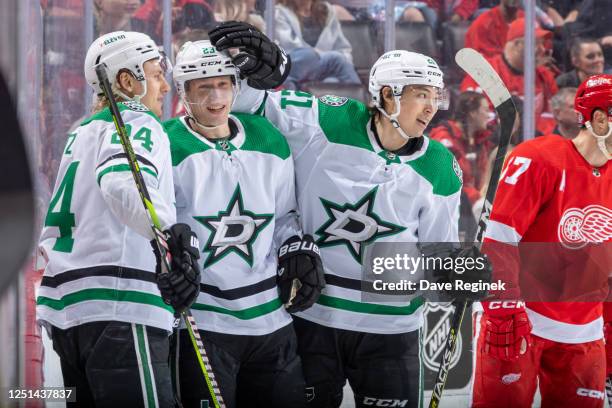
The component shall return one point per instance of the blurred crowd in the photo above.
(333, 45)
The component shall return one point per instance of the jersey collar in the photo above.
(237, 141)
(404, 158)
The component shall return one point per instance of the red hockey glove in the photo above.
(506, 329)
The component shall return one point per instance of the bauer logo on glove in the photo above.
(300, 273)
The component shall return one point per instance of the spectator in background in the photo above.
(239, 10)
(358, 10)
(563, 111)
(594, 20)
(416, 12)
(587, 59)
(114, 15)
(468, 138)
(310, 32)
(487, 34)
(186, 15)
(453, 11)
(509, 66)
(566, 9)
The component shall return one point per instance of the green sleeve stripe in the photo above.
(123, 167)
(244, 314)
(370, 308)
(104, 294)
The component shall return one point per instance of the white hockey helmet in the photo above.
(200, 59)
(399, 68)
(119, 50)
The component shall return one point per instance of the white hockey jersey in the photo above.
(238, 196)
(351, 193)
(100, 265)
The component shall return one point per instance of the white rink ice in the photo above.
(53, 378)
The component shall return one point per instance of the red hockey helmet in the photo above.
(593, 93)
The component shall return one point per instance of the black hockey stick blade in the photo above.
(16, 193)
(472, 62)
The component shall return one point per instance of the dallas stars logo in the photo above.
(354, 225)
(233, 230)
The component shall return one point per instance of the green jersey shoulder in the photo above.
(259, 135)
(438, 166)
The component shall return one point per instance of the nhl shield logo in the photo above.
(333, 100)
(437, 322)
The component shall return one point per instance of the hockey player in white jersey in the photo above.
(234, 183)
(108, 315)
(362, 176)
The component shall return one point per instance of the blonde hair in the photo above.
(100, 102)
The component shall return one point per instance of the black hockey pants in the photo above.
(384, 370)
(252, 371)
(115, 364)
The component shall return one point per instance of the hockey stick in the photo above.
(489, 81)
(192, 328)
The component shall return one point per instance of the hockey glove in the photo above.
(300, 273)
(261, 61)
(180, 286)
(470, 267)
(506, 329)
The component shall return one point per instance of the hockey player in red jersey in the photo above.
(554, 191)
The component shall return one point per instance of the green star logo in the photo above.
(354, 225)
(233, 230)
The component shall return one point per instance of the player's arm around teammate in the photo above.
(234, 184)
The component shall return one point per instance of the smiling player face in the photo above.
(210, 99)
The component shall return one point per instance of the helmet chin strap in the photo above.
(393, 118)
(601, 140)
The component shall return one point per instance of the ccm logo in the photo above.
(380, 402)
(506, 304)
(583, 392)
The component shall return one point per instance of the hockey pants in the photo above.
(252, 371)
(382, 369)
(568, 375)
(115, 364)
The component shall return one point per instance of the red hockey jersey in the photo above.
(548, 193)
